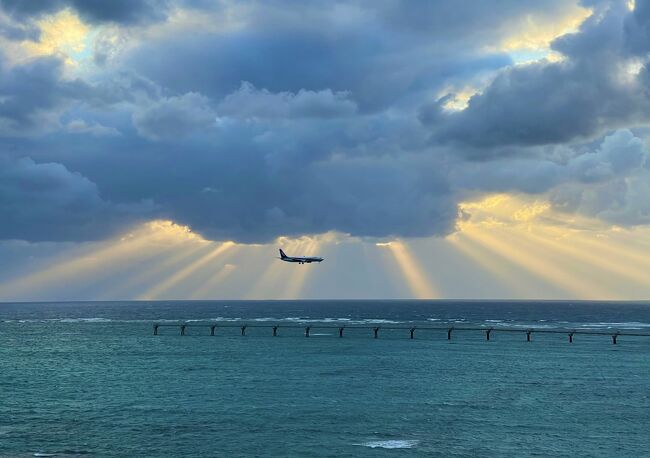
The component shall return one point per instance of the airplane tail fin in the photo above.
(282, 255)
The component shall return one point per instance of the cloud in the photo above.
(174, 117)
(79, 126)
(364, 197)
(363, 62)
(17, 32)
(249, 102)
(619, 154)
(31, 91)
(119, 11)
(45, 201)
(291, 119)
(589, 92)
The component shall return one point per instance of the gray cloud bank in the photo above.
(308, 117)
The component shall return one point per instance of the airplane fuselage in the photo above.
(299, 259)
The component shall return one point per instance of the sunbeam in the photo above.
(207, 290)
(179, 256)
(593, 259)
(298, 277)
(412, 273)
(164, 286)
(498, 267)
(533, 259)
(91, 265)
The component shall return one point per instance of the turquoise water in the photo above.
(91, 379)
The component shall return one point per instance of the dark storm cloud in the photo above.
(374, 67)
(174, 117)
(637, 28)
(29, 92)
(119, 11)
(301, 119)
(46, 201)
(362, 197)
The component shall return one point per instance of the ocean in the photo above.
(91, 379)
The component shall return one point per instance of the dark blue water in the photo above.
(91, 379)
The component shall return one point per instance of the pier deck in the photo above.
(409, 331)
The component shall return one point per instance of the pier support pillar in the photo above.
(212, 328)
(487, 334)
(243, 330)
(275, 331)
(449, 333)
(182, 329)
(341, 332)
(307, 331)
(570, 337)
(155, 329)
(412, 332)
(376, 331)
(614, 337)
(528, 335)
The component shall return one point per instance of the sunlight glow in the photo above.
(62, 33)
(530, 38)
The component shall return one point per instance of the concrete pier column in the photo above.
(570, 337)
(449, 333)
(275, 331)
(212, 328)
(183, 329)
(307, 331)
(243, 330)
(412, 331)
(487, 334)
(528, 333)
(155, 329)
(341, 331)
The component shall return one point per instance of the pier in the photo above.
(409, 332)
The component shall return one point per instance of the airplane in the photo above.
(299, 259)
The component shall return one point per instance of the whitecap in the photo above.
(85, 320)
(391, 444)
(379, 321)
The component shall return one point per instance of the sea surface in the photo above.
(91, 379)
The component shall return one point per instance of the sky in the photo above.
(451, 149)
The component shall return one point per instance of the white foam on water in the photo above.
(380, 321)
(390, 444)
(84, 320)
(623, 325)
(44, 454)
